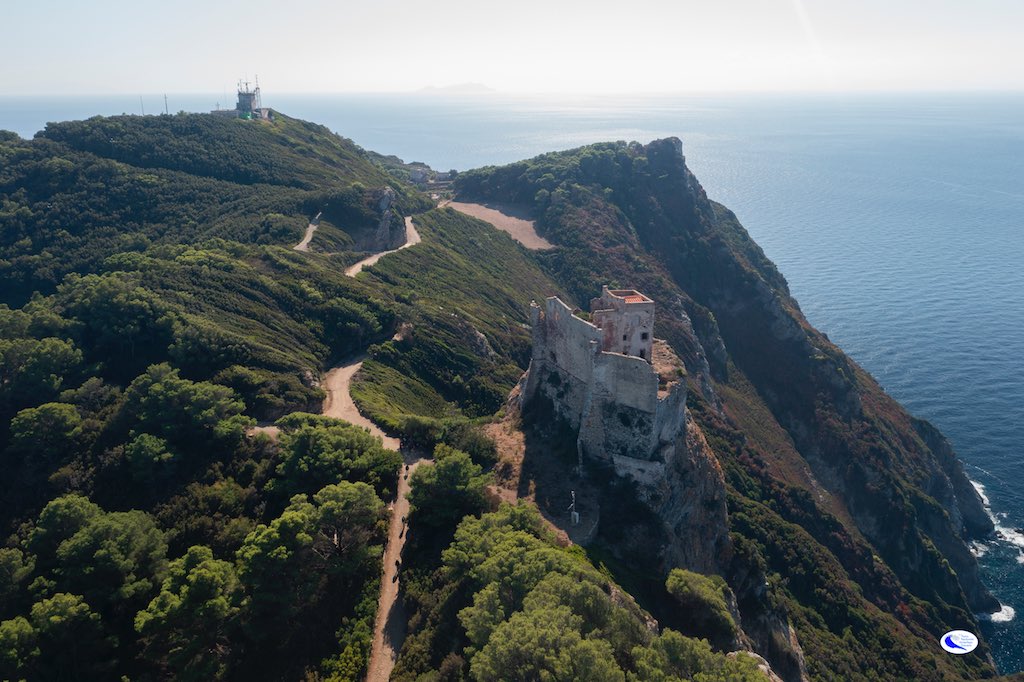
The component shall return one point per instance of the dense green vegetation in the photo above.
(84, 190)
(255, 567)
(446, 491)
(158, 312)
(153, 311)
(466, 289)
(506, 603)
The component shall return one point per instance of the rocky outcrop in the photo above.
(703, 353)
(954, 490)
(762, 664)
(690, 500)
(389, 233)
(962, 516)
(631, 414)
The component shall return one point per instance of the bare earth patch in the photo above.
(528, 470)
(269, 430)
(507, 219)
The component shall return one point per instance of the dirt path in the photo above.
(389, 625)
(506, 219)
(412, 237)
(338, 403)
(308, 237)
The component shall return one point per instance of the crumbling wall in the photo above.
(562, 363)
(620, 414)
(670, 414)
(611, 399)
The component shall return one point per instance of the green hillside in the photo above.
(84, 190)
(154, 310)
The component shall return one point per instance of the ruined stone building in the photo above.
(611, 380)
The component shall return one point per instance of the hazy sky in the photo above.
(143, 46)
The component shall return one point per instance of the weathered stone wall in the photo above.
(562, 363)
(670, 415)
(619, 416)
(611, 399)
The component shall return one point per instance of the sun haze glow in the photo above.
(122, 46)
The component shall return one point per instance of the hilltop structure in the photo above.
(249, 105)
(610, 379)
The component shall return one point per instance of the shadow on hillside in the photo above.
(549, 476)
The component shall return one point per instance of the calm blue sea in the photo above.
(898, 221)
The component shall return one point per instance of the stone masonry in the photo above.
(611, 380)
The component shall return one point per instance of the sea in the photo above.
(898, 221)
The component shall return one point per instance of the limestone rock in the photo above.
(390, 231)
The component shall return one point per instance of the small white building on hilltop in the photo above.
(624, 391)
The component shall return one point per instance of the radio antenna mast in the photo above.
(142, 104)
(166, 111)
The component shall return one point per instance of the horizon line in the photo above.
(441, 92)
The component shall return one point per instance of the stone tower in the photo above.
(626, 319)
(624, 392)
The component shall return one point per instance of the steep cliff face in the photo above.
(858, 441)
(628, 415)
(691, 501)
(819, 463)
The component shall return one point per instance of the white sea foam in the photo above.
(1004, 615)
(1011, 535)
(984, 498)
(1015, 536)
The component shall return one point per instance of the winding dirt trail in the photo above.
(308, 237)
(338, 403)
(412, 238)
(389, 625)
